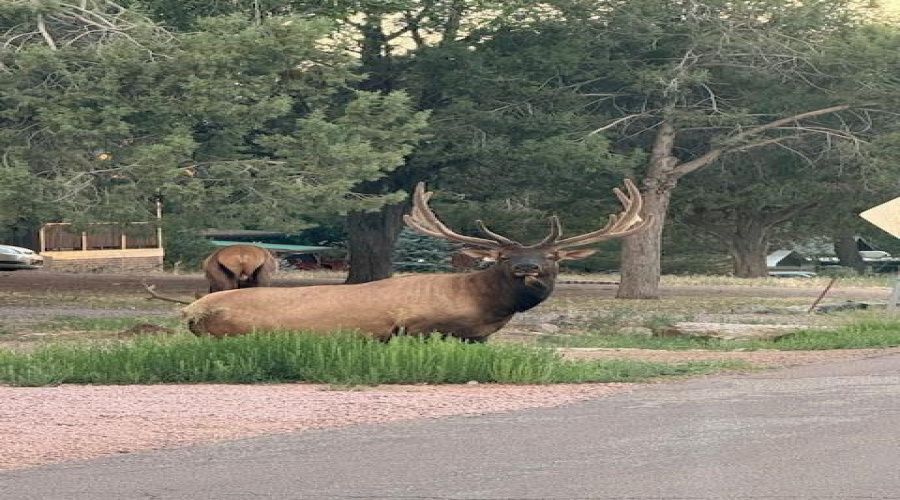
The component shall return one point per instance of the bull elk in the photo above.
(239, 266)
(469, 306)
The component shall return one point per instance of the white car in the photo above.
(19, 258)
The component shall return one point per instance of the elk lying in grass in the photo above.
(470, 306)
(239, 266)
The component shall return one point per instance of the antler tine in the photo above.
(503, 240)
(423, 220)
(619, 225)
(555, 233)
(412, 224)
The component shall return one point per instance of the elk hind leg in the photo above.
(225, 279)
(259, 277)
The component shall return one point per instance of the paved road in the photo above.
(816, 432)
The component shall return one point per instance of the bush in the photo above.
(838, 271)
(186, 250)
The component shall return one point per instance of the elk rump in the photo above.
(239, 266)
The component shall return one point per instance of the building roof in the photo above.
(240, 233)
(785, 258)
(278, 247)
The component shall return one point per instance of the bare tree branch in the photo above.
(616, 122)
(714, 154)
(157, 296)
(42, 27)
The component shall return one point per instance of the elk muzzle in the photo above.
(523, 269)
(533, 269)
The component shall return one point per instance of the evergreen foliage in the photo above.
(220, 123)
(419, 253)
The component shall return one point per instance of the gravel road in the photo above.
(52, 424)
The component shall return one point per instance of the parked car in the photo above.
(19, 258)
(312, 261)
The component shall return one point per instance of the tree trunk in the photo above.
(371, 237)
(847, 252)
(641, 252)
(749, 246)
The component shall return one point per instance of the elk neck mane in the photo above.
(506, 294)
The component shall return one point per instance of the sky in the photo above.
(892, 6)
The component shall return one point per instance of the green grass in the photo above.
(865, 333)
(338, 359)
(870, 333)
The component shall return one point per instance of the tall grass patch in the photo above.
(867, 333)
(339, 359)
(859, 334)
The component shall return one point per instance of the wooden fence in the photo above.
(64, 236)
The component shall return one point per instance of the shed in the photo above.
(135, 246)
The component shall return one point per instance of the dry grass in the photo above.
(687, 307)
(86, 300)
(815, 282)
(711, 280)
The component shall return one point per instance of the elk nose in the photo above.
(526, 268)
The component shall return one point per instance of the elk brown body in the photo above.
(239, 266)
(469, 306)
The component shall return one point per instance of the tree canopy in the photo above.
(281, 114)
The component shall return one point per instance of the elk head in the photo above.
(533, 267)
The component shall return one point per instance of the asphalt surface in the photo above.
(828, 431)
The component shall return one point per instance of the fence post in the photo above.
(895, 294)
(159, 231)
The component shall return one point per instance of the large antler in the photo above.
(620, 225)
(629, 221)
(423, 220)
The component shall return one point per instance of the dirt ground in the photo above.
(51, 424)
(130, 284)
(187, 285)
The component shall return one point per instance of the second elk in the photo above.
(239, 266)
(469, 306)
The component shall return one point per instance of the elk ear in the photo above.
(478, 253)
(574, 254)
